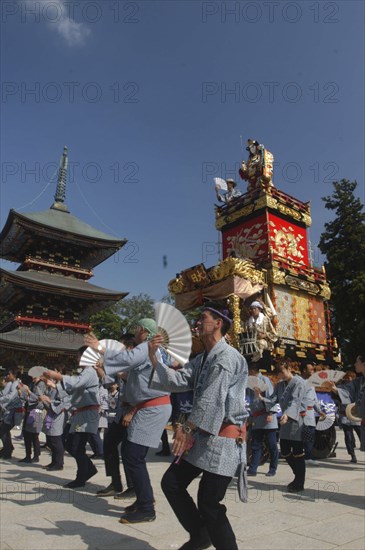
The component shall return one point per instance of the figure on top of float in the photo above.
(258, 170)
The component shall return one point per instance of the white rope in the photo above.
(94, 212)
(40, 194)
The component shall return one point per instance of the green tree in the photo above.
(343, 243)
(134, 308)
(107, 324)
(122, 316)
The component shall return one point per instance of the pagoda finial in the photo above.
(59, 197)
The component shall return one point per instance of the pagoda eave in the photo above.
(12, 281)
(21, 231)
(36, 339)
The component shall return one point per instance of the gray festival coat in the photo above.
(219, 386)
(56, 415)
(291, 398)
(84, 392)
(258, 409)
(34, 415)
(11, 404)
(148, 423)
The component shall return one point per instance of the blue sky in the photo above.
(151, 99)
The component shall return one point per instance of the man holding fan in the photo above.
(149, 412)
(212, 441)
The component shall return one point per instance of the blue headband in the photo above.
(220, 314)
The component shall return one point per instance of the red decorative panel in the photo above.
(287, 240)
(248, 240)
(255, 239)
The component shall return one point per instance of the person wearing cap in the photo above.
(212, 440)
(149, 411)
(12, 410)
(231, 193)
(266, 334)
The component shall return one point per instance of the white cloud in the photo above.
(57, 15)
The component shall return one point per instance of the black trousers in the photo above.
(309, 443)
(5, 435)
(293, 452)
(55, 443)
(96, 443)
(76, 446)
(209, 512)
(31, 440)
(348, 432)
(134, 461)
(115, 434)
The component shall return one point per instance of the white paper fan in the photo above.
(326, 422)
(176, 331)
(255, 382)
(36, 372)
(319, 378)
(220, 184)
(112, 345)
(90, 356)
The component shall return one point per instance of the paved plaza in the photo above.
(37, 513)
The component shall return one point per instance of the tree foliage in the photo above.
(107, 324)
(343, 243)
(122, 316)
(134, 308)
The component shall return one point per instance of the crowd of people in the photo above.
(128, 395)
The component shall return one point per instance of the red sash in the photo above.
(163, 400)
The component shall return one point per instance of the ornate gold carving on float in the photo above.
(223, 219)
(276, 276)
(235, 266)
(301, 284)
(325, 291)
(176, 286)
(199, 277)
(234, 305)
(306, 218)
(289, 212)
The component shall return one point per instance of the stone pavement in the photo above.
(37, 513)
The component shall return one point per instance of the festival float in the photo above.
(265, 258)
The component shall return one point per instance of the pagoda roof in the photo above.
(40, 339)
(13, 284)
(55, 225)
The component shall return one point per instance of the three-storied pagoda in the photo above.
(265, 252)
(47, 301)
